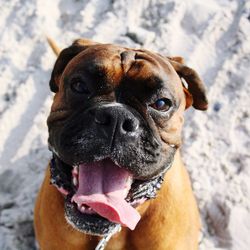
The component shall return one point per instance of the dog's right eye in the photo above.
(79, 86)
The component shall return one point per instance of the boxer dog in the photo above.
(115, 133)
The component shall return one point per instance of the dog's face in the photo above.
(115, 124)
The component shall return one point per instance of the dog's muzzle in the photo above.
(107, 161)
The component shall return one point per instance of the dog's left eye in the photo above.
(163, 104)
(79, 86)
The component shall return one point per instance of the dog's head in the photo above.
(114, 127)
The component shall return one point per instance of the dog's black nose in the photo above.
(117, 119)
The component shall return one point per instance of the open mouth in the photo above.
(100, 195)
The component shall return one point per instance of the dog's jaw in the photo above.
(87, 220)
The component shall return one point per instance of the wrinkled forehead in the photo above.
(115, 64)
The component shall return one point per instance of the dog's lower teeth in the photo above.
(75, 181)
(75, 170)
(85, 209)
(82, 209)
(75, 175)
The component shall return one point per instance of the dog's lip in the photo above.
(57, 115)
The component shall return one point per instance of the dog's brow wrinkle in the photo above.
(127, 60)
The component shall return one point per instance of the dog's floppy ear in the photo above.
(196, 92)
(64, 58)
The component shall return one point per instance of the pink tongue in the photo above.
(103, 187)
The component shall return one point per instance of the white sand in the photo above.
(214, 38)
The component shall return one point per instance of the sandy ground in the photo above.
(213, 37)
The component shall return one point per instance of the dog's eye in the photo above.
(79, 86)
(162, 104)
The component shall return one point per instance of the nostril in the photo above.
(130, 125)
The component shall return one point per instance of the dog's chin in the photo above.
(87, 218)
(91, 223)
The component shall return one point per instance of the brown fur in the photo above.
(169, 222)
